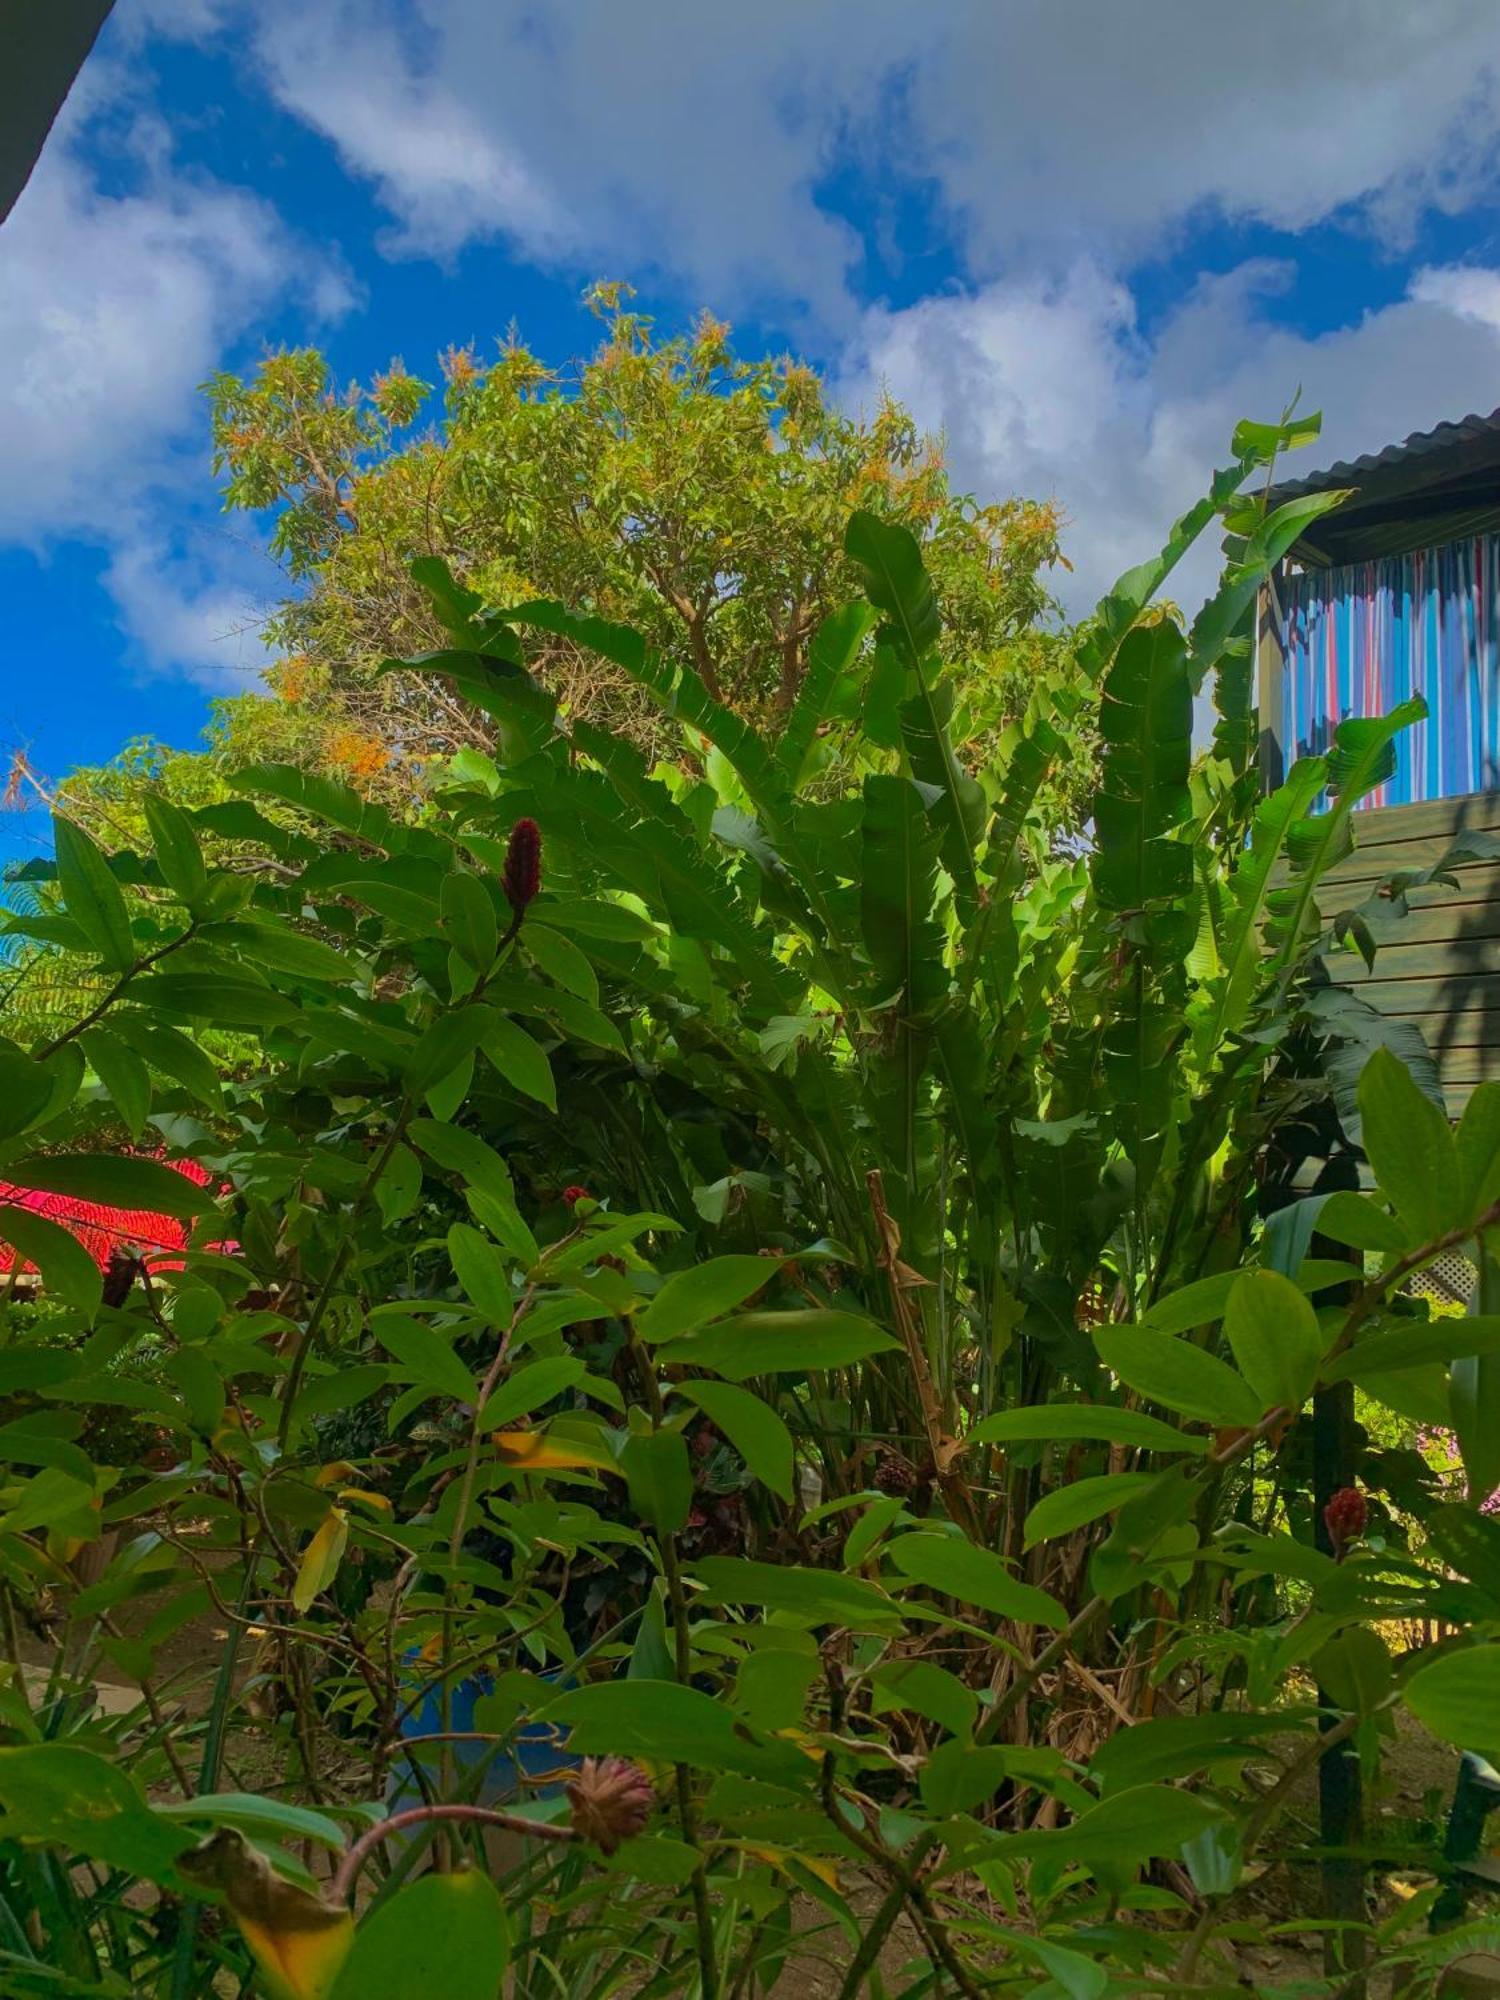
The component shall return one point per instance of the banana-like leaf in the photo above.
(1145, 719)
(1363, 756)
(1221, 617)
(889, 561)
(1249, 888)
(832, 653)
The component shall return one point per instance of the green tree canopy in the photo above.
(666, 483)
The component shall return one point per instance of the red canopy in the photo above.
(102, 1230)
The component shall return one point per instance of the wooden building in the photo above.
(1394, 593)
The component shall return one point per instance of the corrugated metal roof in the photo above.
(1420, 445)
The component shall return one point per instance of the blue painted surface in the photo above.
(538, 1751)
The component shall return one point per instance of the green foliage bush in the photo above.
(811, 1305)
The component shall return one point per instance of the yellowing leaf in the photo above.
(298, 1940)
(330, 1475)
(822, 1865)
(537, 1451)
(321, 1558)
(376, 1500)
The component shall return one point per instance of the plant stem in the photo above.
(341, 1888)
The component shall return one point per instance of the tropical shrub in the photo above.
(798, 1295)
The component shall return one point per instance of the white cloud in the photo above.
(188, 615)
(113, 308)
(695, 141)
(1049, 389)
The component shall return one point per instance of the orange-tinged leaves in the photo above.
(298, 1940)
(540, 1451)
(321, 1558)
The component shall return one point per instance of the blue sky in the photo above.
(1079, 239)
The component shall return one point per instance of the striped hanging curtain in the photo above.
(1360, 639)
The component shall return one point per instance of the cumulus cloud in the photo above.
(115, 307)
(1048, 388)
(617, 137)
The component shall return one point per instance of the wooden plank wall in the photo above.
(1440, 965)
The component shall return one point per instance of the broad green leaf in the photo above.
(656, 1468)
(690, 1298)
(178, 855)
(452, 1037)
(1178, 1375)
(959, 1778)
(1458, 1697)
(956, 1568)
(482, 1272)
(207, 996)
(1094, 1423)
(897, 894)
(1081, 1501)
(400, 1185)
(280, 950)
(118, 1180)
(667, 1723)
(529, 1388)
(1468, 1542)
(1179, 1746)
(124, 1076)
(562, 961)
(486, 1180)
(425, 1356)
(926, 1689)
(1273, 1334)
(1399, 1345)
(823, 1597)
(755, 1430)
(519, 1059)
(831, 654)
(1410, 1147)
(69, 1271)
(173, 1053)
(25, 1088)
(442, 1935)
(85, 1806)
(92, 895)
(469, 921)
(1360, 1222)
(783, 1343)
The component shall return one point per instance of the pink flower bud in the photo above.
(521, 877)
(611, 1800)
(1345, 1516)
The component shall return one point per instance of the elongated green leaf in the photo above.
(562, 961)
(469, 920)
(1082, 1423)
(755, 1430)
(205, 996)
(481, 1270)
(172, 1052)
(956, 1568)
(689, 1299)
(897, 892)
(1145, 720)
(823, 1597)
(660, 1478)
(178, 855)
(529, 1389)
(116, 1179)
(92, 895)
(1178, 1375)
(1081, 1501)
(68, 1271)
(124, 1076)
(666, 1723)
(783, 1343)
(425, 1356)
